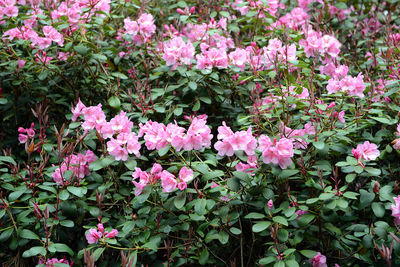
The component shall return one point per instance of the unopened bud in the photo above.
(376, 187)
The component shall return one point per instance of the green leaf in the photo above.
(267, 260)
(67, 223)
(224, 14)
(77, 191)
(280, 220)
(5, 235)
(101, 163)
(180, 200)
(114, 102)
(308, 253)
(223, 237)
(15, 195)
(153, 243)
(97, 253)
(254, 215)
(203, 258)
(81, 49)
(63, 195)
(59, 247)
(3, 101)
(373, 171)
(34, 251)
(7, 159)
(365, 198)
(351, 195)
(193, 85)
(283, 235)
(326, 196)
(305, 219)
(28, 234)
(378, 209)
(235, 231)
(196, 106)
(161, 152)
(319, 145)
(291, 263)
(200, 206)
(261, 226)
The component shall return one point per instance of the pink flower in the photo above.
(168, 181)
(182, 185)
(185, 175)
(93, 236)
(367, 151)
(22, 138)
(146, 25)
(177, 52)
(111, 234)
(77, 111)
(396, 209)
(319, 260)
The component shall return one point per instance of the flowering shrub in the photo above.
(216, 133)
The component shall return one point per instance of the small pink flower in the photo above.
(182, 185)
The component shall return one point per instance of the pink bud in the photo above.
(166, 27)
(21, 130)
(192, 9)
(270, 204)
(100, 227)
(180, 11)
(331, 105)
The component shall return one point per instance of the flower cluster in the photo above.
(141, 30)
(168, 181)
(119, 130)
(177, 52)
(353, 85)
(276, 152)
(367, 151)
(158, 136)
(52, 261)
(229, 142)
(26, 133)
(94, 235)
(77, 164)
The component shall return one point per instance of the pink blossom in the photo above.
(21, 63)
(182, 185)
(367, 151)
(177, 52)
(146, 25)
(185, 175)
(77, 111)
(168, 181)
(396, 209)
(93, 236)
(111, 234)
(319, 260)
